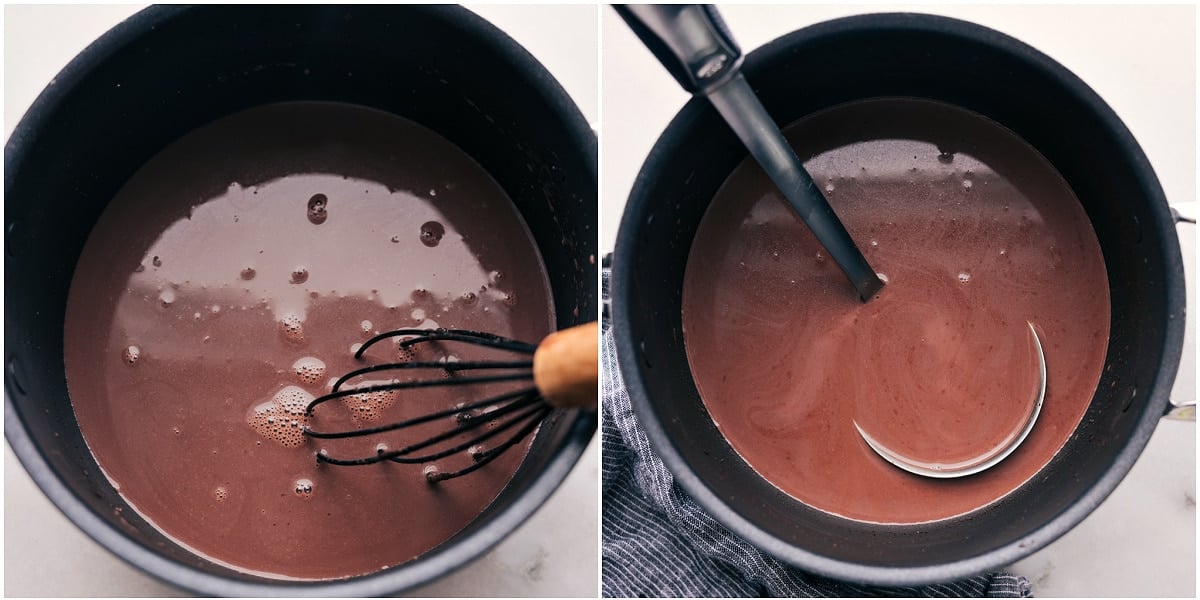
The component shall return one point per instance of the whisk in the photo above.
(562, 370)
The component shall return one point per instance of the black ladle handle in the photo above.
(692, 42)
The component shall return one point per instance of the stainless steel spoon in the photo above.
(979, 463)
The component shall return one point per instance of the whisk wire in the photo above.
(401, 456)
(477, 338)
(333, 435)
(530, 400)
(420, 383)
(490, 455)
(449, 367)
(523, 409)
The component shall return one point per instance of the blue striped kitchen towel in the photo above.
(657, 542)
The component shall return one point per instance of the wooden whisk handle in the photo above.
(566, 366)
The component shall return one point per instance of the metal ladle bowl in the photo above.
(979, 463)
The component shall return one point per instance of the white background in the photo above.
(555, 553)
(1142, 61)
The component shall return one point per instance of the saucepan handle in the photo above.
(1184, 212)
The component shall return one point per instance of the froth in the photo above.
(292, 328)
(310, 370)
(282, 418)
(369, 406)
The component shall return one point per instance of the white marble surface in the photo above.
(1142, 61)
(555, 553)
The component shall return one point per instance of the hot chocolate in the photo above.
(976, 235)
(228, 284)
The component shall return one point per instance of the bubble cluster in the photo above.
(248, 273)
(156, 261)
(432, 233)
(310, 370)
(292, 328)
(303, 488)
(131, 355)
(468, 298)
(317, 209)
(221, 493)
(282, 419)
(369, 406)
(299, 275)
(964, 277)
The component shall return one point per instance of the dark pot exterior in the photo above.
(982, 70)
(168, 70)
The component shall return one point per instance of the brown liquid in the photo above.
(977, 235)
(239, 262)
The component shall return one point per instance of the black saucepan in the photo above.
(921, 56)
(169, 70)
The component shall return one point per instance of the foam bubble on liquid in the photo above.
(369, 406)
(299, 275)
(221, 493)
(292, 328)
(248, 273)
(309, 369)
(303, 488)
(366, 326)
(317, 209)
(131, 355)
(432, 233)
(964, 277)
(167, 297)
(282, 418)
(418, 314)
